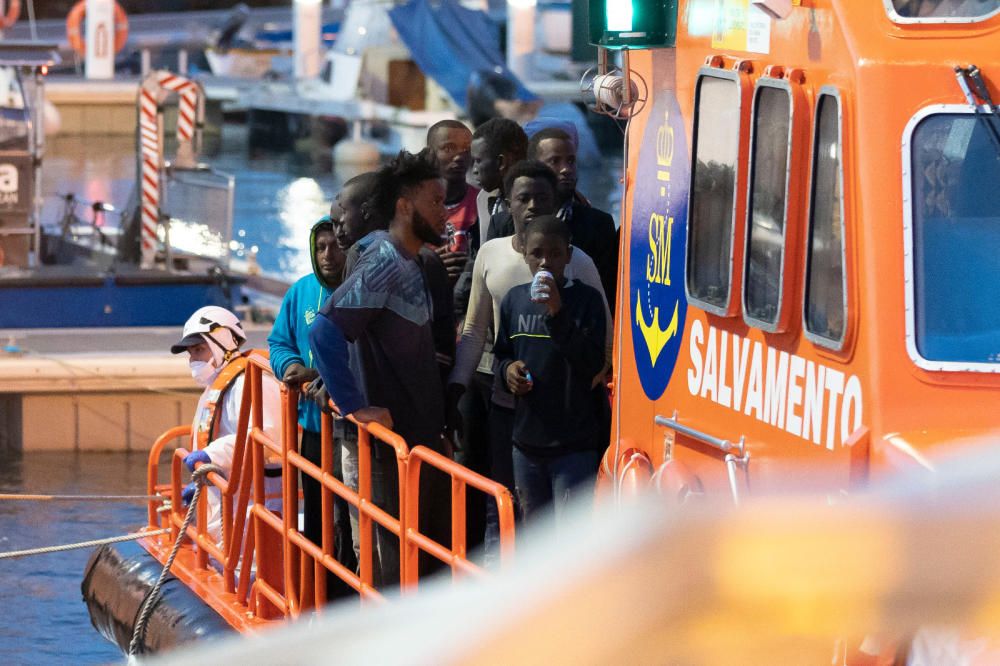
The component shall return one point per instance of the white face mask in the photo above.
(203, 372)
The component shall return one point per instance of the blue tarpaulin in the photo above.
(450, 42)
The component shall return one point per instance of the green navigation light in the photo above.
(619, 13)
(616, 24)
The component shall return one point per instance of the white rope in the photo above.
(200, 477)
(83, 544)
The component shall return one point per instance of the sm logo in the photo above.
(656, 257)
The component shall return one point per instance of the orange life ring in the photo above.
(636, 470)
(677, 483)
(13, 13)
(74, 27)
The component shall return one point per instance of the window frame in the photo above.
(896, 17)
(840, 344)
(909, 259)
(780, 322)
(740, 80)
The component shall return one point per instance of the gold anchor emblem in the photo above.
(656, 338)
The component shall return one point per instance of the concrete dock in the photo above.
(94, 389)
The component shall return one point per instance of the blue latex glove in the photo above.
(188, 493)
(191, 459)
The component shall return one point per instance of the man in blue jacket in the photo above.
(292, 361)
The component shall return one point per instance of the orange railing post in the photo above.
(152, 469)
(237, 466)
(411, 552)
(289, 473)
(368, 511)
(459, 545)
(365, 539)
(327, 509)
(175, 493)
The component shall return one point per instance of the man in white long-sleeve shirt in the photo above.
(499, 267)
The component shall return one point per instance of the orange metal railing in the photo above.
(461, 477)
(268, 566)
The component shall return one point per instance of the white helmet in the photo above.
(208, 324)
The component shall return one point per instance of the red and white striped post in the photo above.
(191, 111)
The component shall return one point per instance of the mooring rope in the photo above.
(200, 477)
(83, 544)
(19, 497)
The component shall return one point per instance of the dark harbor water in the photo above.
(44, 617)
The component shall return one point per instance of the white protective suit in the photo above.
(222, 448)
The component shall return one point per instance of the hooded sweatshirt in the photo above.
(289, 338)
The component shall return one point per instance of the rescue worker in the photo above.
(212, 338)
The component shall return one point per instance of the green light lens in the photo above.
(619, 14)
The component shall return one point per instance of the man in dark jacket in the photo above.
(550, 344)
(384, 308)
(592, 230)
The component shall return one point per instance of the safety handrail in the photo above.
(723, 445)
(252, 533)
(368, 511)
(461, 477)
(153, 465)
(734, 455)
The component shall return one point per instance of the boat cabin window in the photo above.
(954, 180)
(713, 192)
(941, 11)
(769, 155)
(825, 297)
(14, 119)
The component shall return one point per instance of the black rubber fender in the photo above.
(115, 582)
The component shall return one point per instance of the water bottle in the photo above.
(540, 292)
